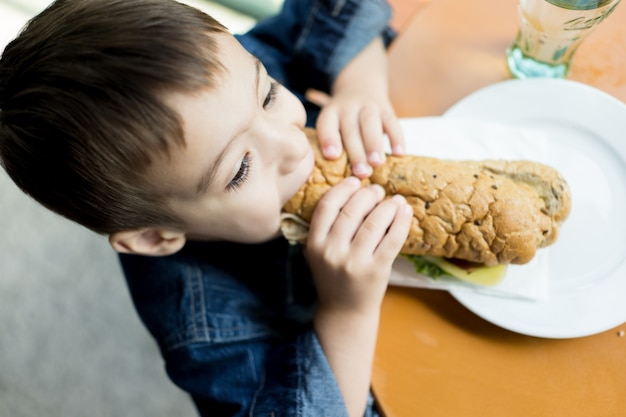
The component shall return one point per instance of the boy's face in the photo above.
(245, 153)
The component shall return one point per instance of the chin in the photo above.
(241, 234)
(265, 236)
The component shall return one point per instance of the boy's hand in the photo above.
(358, 112)
(355, 234)
(356, 121)
(353, 240)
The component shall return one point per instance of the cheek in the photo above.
(256, 218)
(254, 226)
(250, 224)
(249, 215)
(263, 211)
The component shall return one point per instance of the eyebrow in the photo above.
(207, 180)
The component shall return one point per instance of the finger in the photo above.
(376, 226)
(372, 134)
(398, 231)
(328, 209)
(317, 97)
(393, 129)
(328, 133)
(353, 144)
(355, 211)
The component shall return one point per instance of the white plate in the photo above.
(586, 131)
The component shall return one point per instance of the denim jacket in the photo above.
(311, 41)
(234, 321)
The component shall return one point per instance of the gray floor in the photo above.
(70, 341)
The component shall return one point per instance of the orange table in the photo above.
(434, 357)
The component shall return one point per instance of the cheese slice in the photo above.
(474, 273)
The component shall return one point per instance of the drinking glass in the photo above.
(550, 32)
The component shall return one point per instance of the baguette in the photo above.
(488, 212)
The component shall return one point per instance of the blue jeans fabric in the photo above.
(234, 321)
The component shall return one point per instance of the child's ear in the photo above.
(152, 242)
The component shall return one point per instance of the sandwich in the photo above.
(470, 218)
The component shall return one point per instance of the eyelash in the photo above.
(242, 174)
(271, 95)
(244, 169)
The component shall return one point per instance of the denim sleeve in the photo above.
(237, 336)
(311, 41)
(291, 378)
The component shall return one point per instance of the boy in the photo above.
(146, 121)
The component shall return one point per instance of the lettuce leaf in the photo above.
(425, 267)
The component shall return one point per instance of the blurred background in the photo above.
(71, 343)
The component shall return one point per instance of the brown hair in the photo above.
(82, 116)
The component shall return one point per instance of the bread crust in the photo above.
(489, 212)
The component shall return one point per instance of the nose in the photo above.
(286, 143)
(289, 150)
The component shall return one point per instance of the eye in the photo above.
(271, 95)
(242, 174)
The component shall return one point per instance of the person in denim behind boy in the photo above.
(146, 121)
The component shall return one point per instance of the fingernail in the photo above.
(399, 198)
(375, 158)
(353, 181)
(379, 189)
(361, 169)
(331, 151)
(398, 150)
